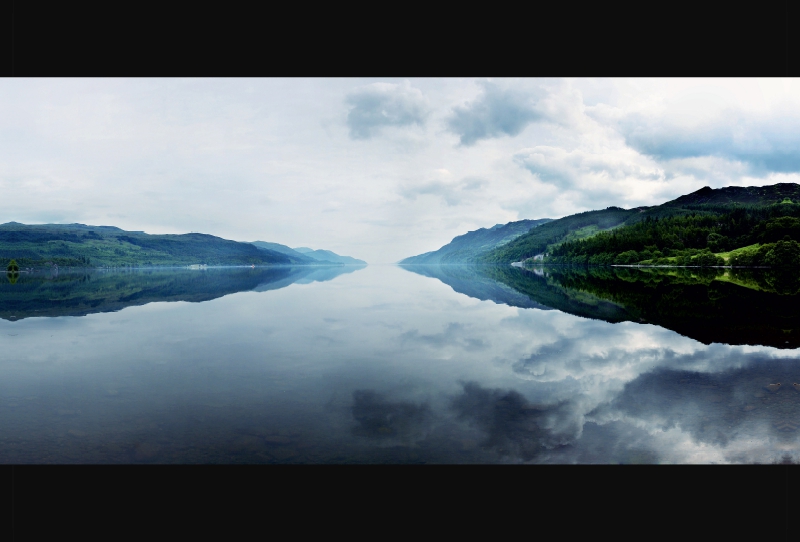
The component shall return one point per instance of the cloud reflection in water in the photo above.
(417, 373)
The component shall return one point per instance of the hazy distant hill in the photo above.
(466, 248)
(327, 255)
(79, 245)
(295, 256)
(310, 256)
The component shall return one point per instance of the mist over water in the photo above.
(384, 364)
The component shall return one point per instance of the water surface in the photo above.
(385, 364)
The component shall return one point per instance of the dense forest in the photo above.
(705, 235)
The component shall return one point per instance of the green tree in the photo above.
(785, 253)
(12, 272)
(706, 259)
(779, 228)
(629, 257)
(717, 242)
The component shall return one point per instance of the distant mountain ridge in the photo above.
(296, 257)
(309, 255)
(467, 247)
(327, 255)
(746, 195)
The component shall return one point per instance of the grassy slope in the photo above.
(748, 249)
(724, 255)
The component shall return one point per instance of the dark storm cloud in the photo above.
(513, 426)
(379, 418)
(451, 193)
(718, 407)
(718, 396)
(612, 442)
(497, 112)
(380, 105)
(765, 144)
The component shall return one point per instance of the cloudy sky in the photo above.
(378, 169)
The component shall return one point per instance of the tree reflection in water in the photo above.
(751, 398)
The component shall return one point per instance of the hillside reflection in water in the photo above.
(441, 364)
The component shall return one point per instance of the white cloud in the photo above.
(497, 112)
(380, 105)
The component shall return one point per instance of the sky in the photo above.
(378, 169)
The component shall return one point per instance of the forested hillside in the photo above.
(79, 245)
(539, 240)
(732, 234)
(740, 226)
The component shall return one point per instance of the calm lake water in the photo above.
(388, 364)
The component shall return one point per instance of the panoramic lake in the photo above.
(400, 364)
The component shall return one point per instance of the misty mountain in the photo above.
(466, 248)
(328, 256)
(294, 256)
